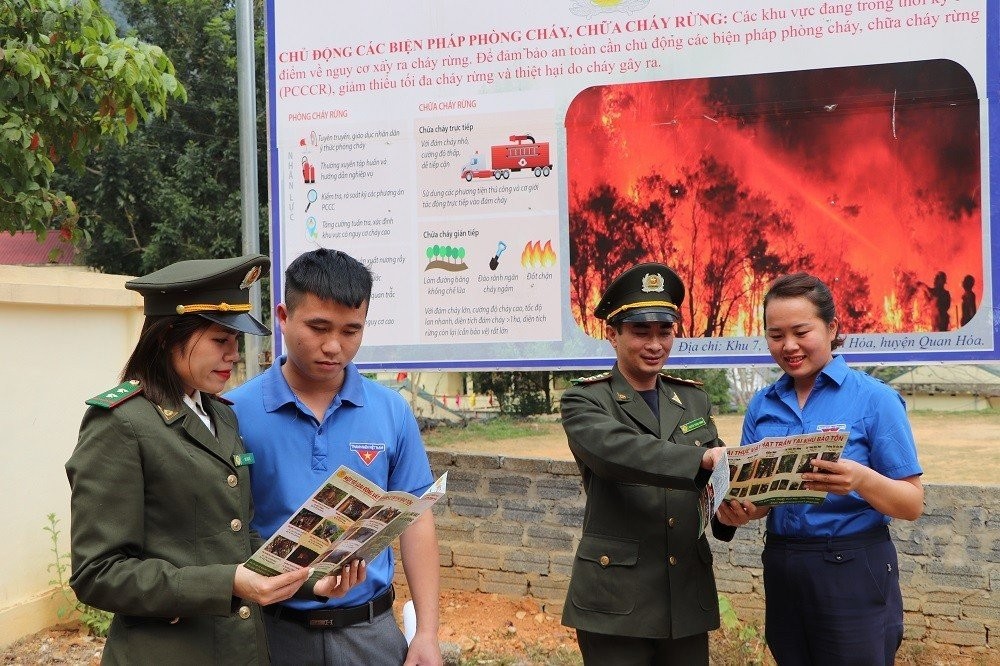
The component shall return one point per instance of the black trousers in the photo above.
(606, 650)
(833, 602)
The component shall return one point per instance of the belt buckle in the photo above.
(317, 622)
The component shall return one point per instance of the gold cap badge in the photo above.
(652, 282)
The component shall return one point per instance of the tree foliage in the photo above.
(715, 381)
(69, 85)
(175, 192)
(518, 393)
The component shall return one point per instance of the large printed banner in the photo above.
(497, 164)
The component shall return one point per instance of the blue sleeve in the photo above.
(893, 449)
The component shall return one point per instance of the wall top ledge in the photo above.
(71, 286)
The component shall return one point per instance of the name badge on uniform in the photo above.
(243, 459)
(692, 425)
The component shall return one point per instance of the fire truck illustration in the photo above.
(523, 152)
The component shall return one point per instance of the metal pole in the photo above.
(246, 78)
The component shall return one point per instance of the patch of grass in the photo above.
(500, 428)
(737, 642)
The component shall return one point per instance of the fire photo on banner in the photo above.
(867, 176)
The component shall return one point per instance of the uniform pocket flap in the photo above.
(609, 551)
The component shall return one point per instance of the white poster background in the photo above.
(384, 118)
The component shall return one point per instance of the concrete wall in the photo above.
(510, 526)
(65, 334)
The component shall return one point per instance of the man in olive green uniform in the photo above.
(642, 589)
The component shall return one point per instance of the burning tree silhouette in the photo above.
(864, 176)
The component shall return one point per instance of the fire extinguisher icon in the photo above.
(308, 172)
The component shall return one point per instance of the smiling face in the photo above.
(321, 338)
(205, 361)
(799, 340)
(642, 348)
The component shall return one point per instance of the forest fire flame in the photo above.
(868, 177)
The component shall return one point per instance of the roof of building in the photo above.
(950, 379)
(24, 249)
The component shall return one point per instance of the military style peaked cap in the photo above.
(647, 292)
(216, 289)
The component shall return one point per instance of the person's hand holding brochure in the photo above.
(348, 518)
(770, 471)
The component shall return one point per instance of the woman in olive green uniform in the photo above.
(160, 484)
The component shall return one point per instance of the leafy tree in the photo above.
(517, 393)
(715, 382)
(69, 85)
(174, 192)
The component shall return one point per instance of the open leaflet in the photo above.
(770, 471)
(713, 493)
(348, 518)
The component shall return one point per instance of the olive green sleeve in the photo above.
(107, 533)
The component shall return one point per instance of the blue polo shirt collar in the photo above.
(278, 393)
(836, 371)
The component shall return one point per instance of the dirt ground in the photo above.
(491, 629)
(954, 448)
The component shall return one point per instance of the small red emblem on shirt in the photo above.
(367, 451)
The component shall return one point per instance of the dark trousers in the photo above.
(606, 650)
(833, 602)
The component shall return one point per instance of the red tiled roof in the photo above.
(24, 249)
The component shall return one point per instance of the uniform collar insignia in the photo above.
(169, 415)
(676, 398)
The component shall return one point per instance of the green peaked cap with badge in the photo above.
(216, 289)
(646, 292)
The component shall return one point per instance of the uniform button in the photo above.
(671, 522)
(672, 560)
(232, 480)
(236, 524)
(604, 561)
(697, 442)
(245, 612)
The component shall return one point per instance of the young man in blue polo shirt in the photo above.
(311, 412)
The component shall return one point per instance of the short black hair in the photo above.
(151, 362)
(330, 275)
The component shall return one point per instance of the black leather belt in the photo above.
(334, 618)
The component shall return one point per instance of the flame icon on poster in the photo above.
(536, 255)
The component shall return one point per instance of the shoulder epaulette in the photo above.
(678, 380)
(116, 396)
(592, 379)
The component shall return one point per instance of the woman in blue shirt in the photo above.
(831, 579)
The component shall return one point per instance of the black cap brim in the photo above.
(652, 314)
(238, 321)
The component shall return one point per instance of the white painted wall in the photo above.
(65, 333)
